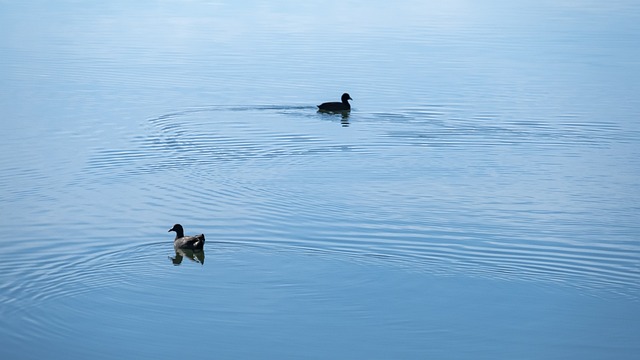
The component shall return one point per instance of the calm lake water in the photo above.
(481, 200)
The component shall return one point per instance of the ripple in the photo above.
(193, 138)
(283, 178)
(444, 126)
(587, 267)
(50, 275)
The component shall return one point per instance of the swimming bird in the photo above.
(337, 106)
(186, 242)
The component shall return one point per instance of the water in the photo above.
(480, 201)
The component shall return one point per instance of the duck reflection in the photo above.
(193, 255)
(344, 121)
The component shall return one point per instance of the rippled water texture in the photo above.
(479, 201)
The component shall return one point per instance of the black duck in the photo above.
(337, 106)
(186, 242)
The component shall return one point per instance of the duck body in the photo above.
(186, 242)
(337, 106)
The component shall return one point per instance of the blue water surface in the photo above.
(480, 201)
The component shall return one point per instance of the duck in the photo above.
(186, 242)
(337, 106)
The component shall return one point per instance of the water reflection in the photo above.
(345, 118)
(193, 255)
(344, 121)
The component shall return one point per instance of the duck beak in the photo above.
(170, 230)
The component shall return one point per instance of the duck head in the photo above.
(345, 97)
(178, 230)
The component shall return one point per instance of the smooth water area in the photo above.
(480, 201)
